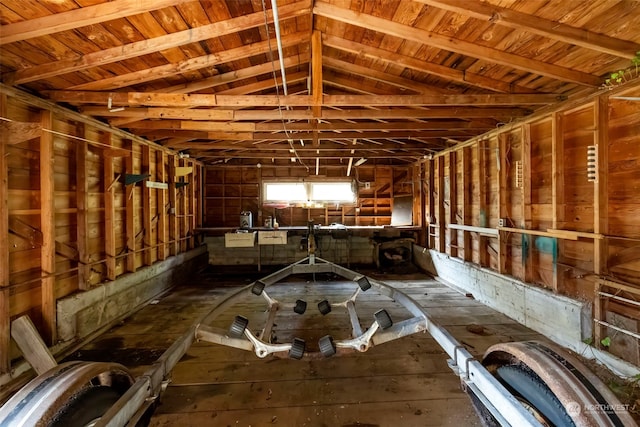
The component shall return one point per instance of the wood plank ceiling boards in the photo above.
(403, 78)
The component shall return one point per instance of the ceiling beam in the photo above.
(327, 146)
(540, 26)
(343, 126)
(155, 99)
(144, 47)
(198, 130)
(278, 126)
(80, 17)
(349, 114)
(453, 45)
(253, 154)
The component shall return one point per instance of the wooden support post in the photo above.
(184, 209)
(5, 311)
(173, 207)
(527, 255)
(316, 74)
(503, 149)
(419, 208)
(453, 205)
(130, 204)
(431, 213)
(109, 211)
(82, 191)
(147, 241)
(466, 186)
(163, 237)
(600, 207)
(441, 216)
(482, 202)
(48, 228)
(31, 345)
(557, 184)
(193, 203)
(600, 191)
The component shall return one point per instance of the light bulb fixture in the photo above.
(360, 162)
(110, 106)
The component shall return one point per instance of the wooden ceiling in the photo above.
(388, 80)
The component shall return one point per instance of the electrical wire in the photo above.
(79, 138)
(275, 81)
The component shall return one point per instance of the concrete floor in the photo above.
(405, 382)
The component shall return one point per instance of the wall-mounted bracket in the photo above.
(181, 184)
(135, 178)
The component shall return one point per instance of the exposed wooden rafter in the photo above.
(144, 47)
(543, 27)
(466, 48)
(79, 18)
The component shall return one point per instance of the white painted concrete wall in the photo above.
(86, 312)
(564, 320)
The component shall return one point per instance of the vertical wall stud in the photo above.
(431, 213)
(173, 208)
(440, 206)
(527, 256)
(161, 200)
(193, 203)
(466, 186)
(184, 209)
(109, 210)
(47, 226)
(503, 173)
(130, 203)
(419, 209)
(557, 183)
(147, 242)
(82, 191)
(5, 312)
(453, 205)
(482, 202)
(601, 207)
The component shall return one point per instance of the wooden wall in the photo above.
(560, 230)
(231, 190)
(69, 222)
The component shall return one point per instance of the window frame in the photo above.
(308, 185)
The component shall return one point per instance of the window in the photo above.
(332, 191)
(309, 192)
(285, 192)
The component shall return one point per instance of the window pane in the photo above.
(332, 191)
(291, 192)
